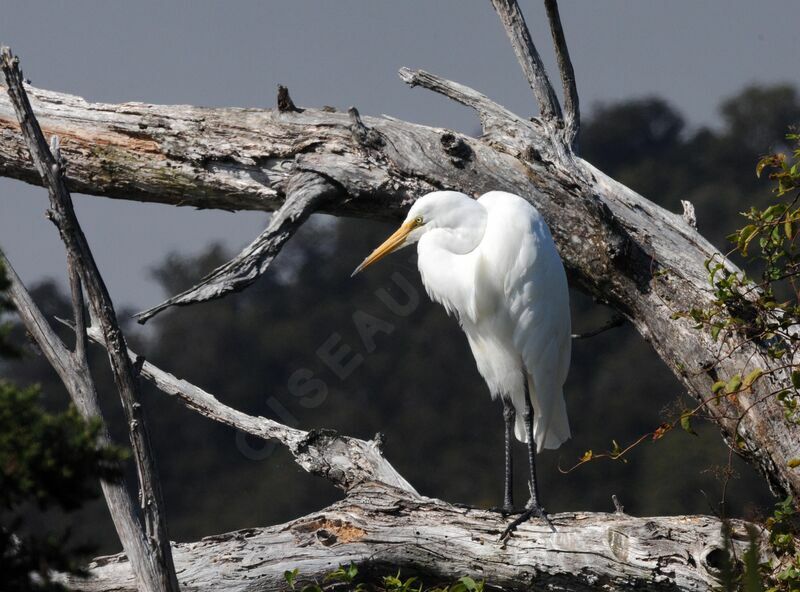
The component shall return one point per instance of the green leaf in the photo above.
(686, 422)
(746, 236)
(717, 386)
(773, 210)
(733, 384)
(796, 379)
(290, 576)
(752, 377)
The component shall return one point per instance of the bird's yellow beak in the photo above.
(392, 243)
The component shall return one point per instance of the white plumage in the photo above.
(493, 263)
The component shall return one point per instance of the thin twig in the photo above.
(616, 321)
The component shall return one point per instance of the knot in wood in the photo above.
(619, 544)
(457, 149)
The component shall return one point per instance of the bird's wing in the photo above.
(520, 258)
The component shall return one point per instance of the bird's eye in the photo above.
(418, 220)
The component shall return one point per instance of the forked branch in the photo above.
(572, 118)
(81, 260)
(528, 58)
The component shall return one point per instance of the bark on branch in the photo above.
(382, 529)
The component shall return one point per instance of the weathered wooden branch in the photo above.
(346, 462)
(572, 116)
(73, 371)
(160, 568)
(382, 529)
(528, 58)
(304, 193)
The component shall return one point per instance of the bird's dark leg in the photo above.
(509, 415)
(533, 508)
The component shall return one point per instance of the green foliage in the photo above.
(767, 310)
(345, 578)
(784, 525)
(751, 574)
(49, 459)
(783, 575)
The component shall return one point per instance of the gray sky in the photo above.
(342, 53)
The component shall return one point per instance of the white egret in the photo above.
(493, 263)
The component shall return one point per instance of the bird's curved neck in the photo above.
(461, 238)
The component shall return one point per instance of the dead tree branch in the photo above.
(305, 192)
(642, 260)
(285, 102)
(572, 117)
(528, 58)
(82, 263)
(382, 529)
(346, 462)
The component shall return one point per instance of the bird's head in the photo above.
(445, 210)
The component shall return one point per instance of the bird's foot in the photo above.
(532, 510)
